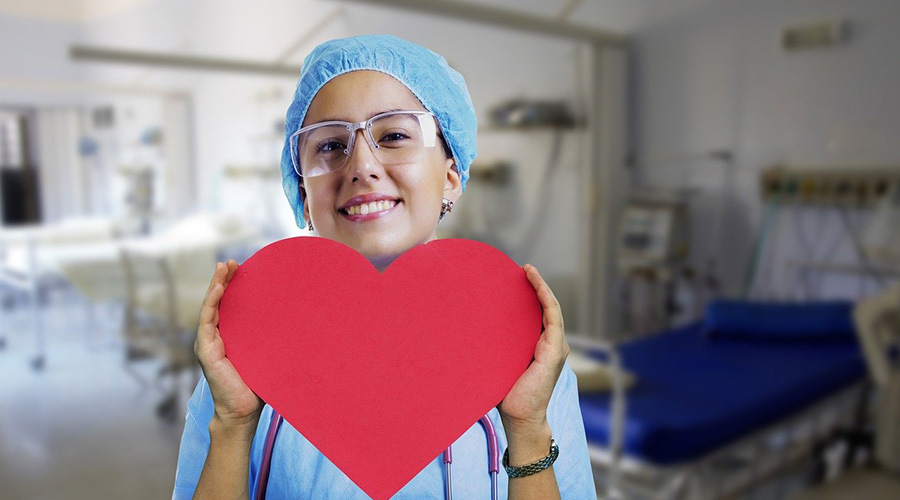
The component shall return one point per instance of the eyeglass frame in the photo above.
(365, 125)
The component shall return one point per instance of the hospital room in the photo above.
(709, 190)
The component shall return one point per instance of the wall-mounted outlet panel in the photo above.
(848, 186)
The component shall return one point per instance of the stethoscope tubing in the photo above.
(493, 446)
(265, 465)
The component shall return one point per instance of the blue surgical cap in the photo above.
(440, 89)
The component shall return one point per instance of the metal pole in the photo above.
(83, 52)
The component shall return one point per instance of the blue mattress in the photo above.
(694, 394)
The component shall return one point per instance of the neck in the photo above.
(381, 262)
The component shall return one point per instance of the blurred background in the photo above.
(650, 157)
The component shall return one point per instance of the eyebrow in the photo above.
(332, 119)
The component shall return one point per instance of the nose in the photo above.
(362, 163)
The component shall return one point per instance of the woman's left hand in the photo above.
(525, 407)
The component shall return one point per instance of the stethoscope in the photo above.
(493, 446)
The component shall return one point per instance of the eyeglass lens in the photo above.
(395, 138)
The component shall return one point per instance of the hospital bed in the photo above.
(160, 280)
(712, 412)
(27, 263)
(163, 279)
(166, 278)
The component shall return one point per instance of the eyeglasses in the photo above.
(395, 137)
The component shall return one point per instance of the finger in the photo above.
(206, 331)
(217, 277)
(232, 266)
(211, 305)
(553, 334)
(552, 310)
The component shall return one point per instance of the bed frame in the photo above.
(729, 470)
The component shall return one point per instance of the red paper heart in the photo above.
(380, 371)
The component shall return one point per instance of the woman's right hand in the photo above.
(235, 404)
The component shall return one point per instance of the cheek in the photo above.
(425, 187)
(319, 197)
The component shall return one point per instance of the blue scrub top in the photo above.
(300, 471)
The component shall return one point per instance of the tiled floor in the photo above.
(81, 428)
(863, 483)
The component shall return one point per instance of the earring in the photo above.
(446, 208)
(309, 225)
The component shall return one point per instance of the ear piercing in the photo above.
(446, 208)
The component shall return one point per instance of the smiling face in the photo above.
(379, 210)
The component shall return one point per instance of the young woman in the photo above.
(378, 143)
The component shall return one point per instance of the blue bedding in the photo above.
(694, 394)
(779, 321)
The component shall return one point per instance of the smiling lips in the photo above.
(371, 207)
(368, 207)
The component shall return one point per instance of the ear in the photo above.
(305, 204)
(453, 183)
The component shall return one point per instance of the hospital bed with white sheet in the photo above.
(160, 280)
(28, 263)
(720, 405)
(166, 278)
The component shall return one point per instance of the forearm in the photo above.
(528, 444)
(225, 473)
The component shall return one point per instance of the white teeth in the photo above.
(372, 207)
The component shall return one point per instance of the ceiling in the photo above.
(73, 11)
(619, 15)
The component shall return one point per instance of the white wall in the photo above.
(716, 78)
(233, 114)
(232, 118)
(31, 48)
